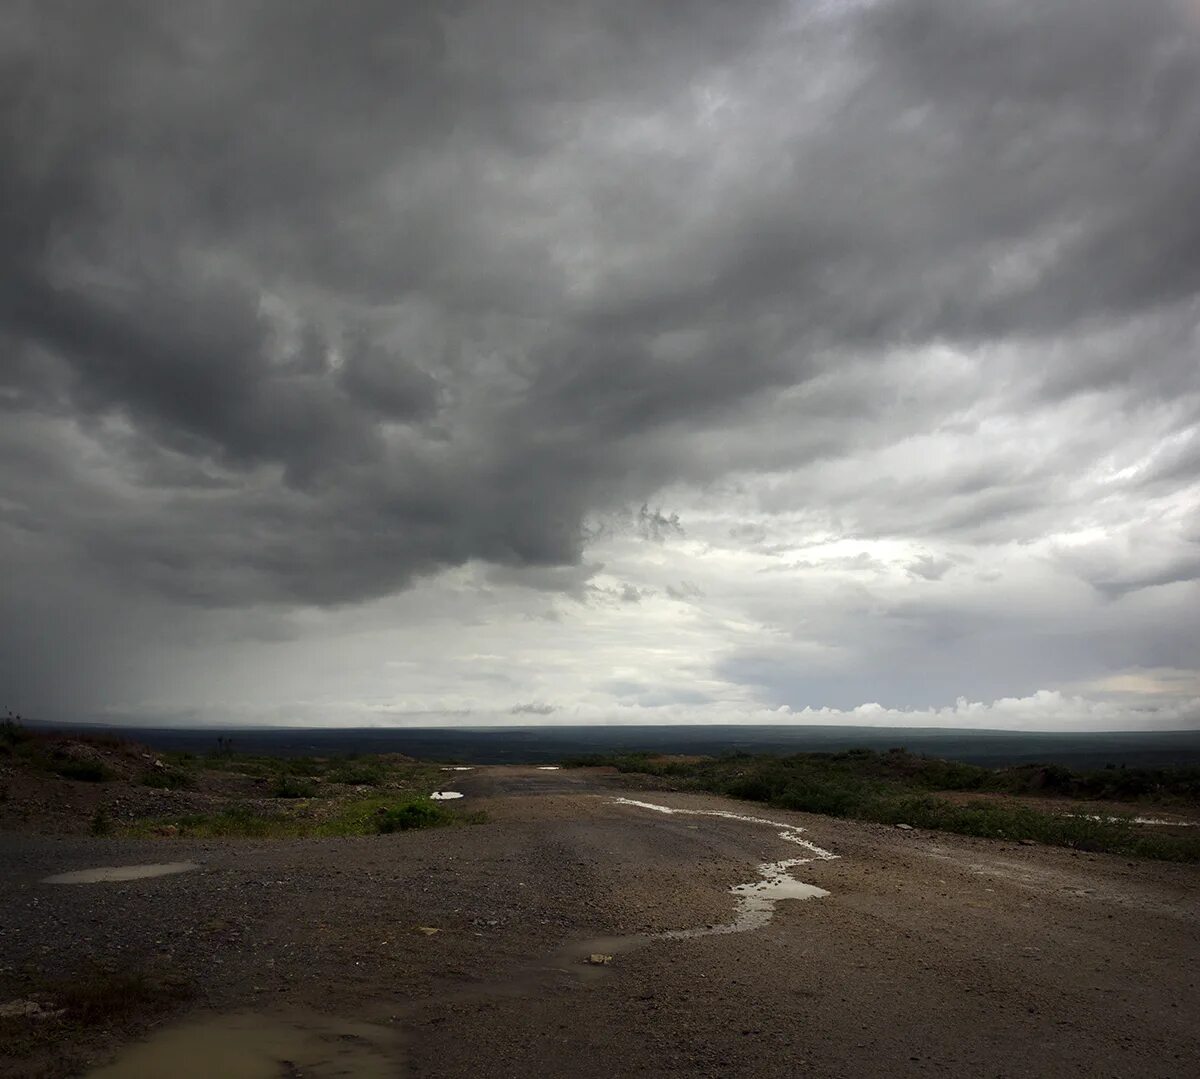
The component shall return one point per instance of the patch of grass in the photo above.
(357, 774)
(898, 787)
(303, 766)
(241, 821)
(381, 815)
(95, 997)
(290, 786)
(101, 822)
(239, 765)
(360, 817)
(410, 815)
(167, 779)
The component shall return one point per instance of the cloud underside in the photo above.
(305, 307)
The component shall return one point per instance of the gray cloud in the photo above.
(929, 567)
(301, 304)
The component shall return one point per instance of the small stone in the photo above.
(905, 827)
(598, 959)
(428, 930)
(28, 1009)
(1028, 842)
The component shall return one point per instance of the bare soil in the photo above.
(932, 954)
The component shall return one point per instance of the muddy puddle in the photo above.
(445, 796)
(1161, 822)
(249, 1046)
(790, 833)
(755, 901)
(120, 872)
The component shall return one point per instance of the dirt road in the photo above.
(930, 954)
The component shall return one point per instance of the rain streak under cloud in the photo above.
(586, 362)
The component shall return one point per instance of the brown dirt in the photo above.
(932, 954)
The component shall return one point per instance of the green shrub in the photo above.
(356, 775)
(828, 798)
(409, 815)
(287, 786)
(750, 789)
(84, 771)
(303, 766)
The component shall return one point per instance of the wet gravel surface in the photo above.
(933, 954)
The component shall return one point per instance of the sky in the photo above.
(554, 361)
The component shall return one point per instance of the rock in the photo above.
(167, 830)
(905, 827)
(598, 959)
(1028, 842)
(427, 930)
(28, 1009)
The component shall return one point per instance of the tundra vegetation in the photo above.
(229, 794)
(1045, 803)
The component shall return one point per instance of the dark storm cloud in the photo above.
(342, 294)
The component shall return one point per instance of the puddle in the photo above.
(445, 796)
(755, 900)
(547, 768)
(457, 768)
(1135, 820)
(120, 872)
(260, 1047)
(788, 832)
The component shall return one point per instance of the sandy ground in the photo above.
(931, 954)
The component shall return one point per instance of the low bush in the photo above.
(83, 770)
(101, 823)
(356, 774)
(414, 814)
(289, 786)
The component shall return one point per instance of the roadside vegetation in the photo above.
(898, 787)
(363, 816)
(229, 794)
(79, 759)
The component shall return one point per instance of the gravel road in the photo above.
(931, 954)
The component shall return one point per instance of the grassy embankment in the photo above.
(898, 787)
